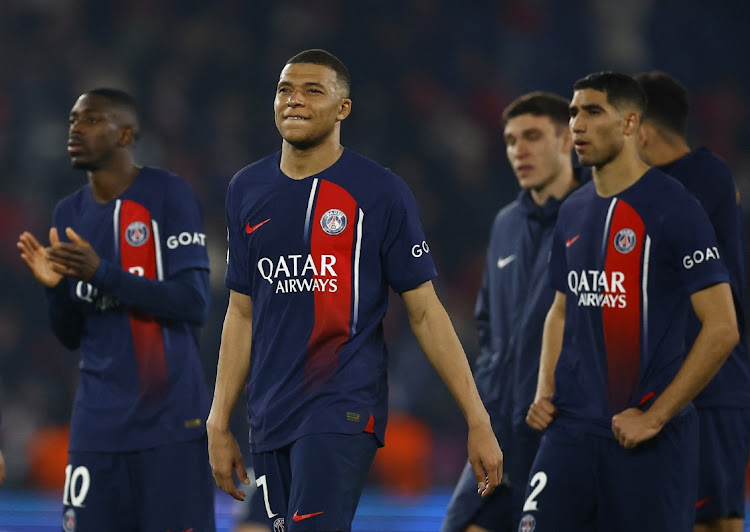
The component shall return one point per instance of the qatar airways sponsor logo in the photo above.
(698, 256)
(300, 273)
(595, 288)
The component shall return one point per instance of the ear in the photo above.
(566, 139)
(345, 107)
(126, 136)
(632, 122)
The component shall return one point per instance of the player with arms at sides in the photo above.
(632, 252)
(317, 234)
(724, 404)
(513, 300)
(126, 274)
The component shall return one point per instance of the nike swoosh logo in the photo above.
(297, 517)
(702, 502)
(569, 242)
(250, 228)
(503, 262)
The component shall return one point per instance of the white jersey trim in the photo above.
(357, 250)
(116, 226)
(157, 250)
(310, 203)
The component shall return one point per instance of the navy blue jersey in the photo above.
(142, 382)
(709, 179)
(316, 256)
(627, 265)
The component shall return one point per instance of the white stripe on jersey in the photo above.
(644, 289)
(157, 249)
(606, 224)
(116, 223)
(357, 249)
(309, 207)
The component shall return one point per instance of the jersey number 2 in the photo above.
(539, 481)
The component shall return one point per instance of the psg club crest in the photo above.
(333, 221)
(625, 240)
(136, 234)
(69, 520)
(528, 524)
(278, 525)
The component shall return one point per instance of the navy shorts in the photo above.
(584, 483)
(724, 448)
(315, 483)
(166, 488)
(467, 507)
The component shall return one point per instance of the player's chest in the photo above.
(312, 215)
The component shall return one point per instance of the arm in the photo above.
(182, 298)
(542, 412)
(231, 375)
(185, 297)
(718, 336)
(434, 331)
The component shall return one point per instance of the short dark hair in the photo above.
(621, 90)
(317, 56)
(120, 99)
(539, 103)
(666, 101)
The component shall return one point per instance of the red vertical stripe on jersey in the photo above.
(622, 326)
(333, 310)
(148, 342)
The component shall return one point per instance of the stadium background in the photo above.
(430, 79)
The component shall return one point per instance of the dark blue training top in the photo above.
(709, 179)
(512, 303)
(136, 322)
(628, 265)
(316, 256)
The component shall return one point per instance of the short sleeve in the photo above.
(691, 238)
(183, 240)
(237, 277)
(405, 253)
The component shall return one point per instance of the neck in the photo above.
(620, 173)
(667, 149)
(111, 181)
(299, 163)
(558, 188)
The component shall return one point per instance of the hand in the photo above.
(2, 468)
(541, 413)
(75, 258)
(486, 458)
(36, 257)
(633, 426)
(224, 456)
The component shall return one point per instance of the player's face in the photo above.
(534, 146)
(308, 104)
(597, 128)
(94, 132)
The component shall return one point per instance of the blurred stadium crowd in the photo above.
(430, 80)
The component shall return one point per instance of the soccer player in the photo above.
(317, 234)
(632, 252)
(126, 274)
(513, 301)
(724, 404)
